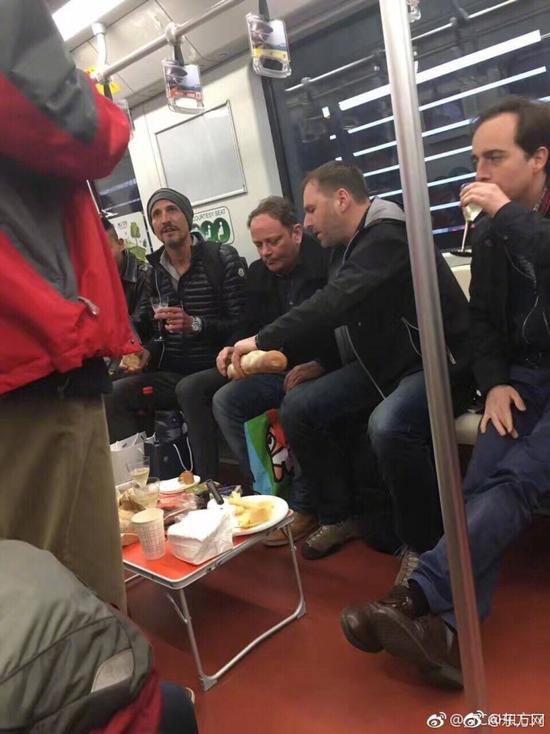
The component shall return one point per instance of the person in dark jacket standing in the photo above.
(197, 288)
(134, 278)
(369, 301)
(509, 473)
(291, 268)
(63, 309)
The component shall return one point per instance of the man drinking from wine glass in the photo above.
(509, 474)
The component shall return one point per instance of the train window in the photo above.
(118, 193)
(337, 105)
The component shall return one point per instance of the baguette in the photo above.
(258, 362)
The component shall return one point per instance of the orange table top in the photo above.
(175, 573)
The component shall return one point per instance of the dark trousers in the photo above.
(178, 713)
(318, 418)
(191, 394)
(400, 434)
(505, 482)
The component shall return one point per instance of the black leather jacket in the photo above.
(526, 234)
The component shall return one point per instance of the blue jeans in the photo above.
(399, 431)
(505, 482)
(320, 418)
(238, 402)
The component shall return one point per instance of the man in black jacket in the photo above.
(510, 472)
(197, 288)
(133, 276)
(369, 301)
(292, 266)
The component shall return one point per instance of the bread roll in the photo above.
(130, 361)
(258, 362)
(128, 539)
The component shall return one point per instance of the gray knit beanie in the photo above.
(176, 198)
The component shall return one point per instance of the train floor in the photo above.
(306, 679)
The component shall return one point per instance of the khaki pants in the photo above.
(56, 487)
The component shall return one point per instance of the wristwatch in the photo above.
(196, 324)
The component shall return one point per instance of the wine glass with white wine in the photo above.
(139, 470)
(470, 212)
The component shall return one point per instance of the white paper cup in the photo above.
(149, 527)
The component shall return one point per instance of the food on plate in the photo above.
(186, 477)
(125, 519)
(128, 539)
(258, 362)
(250, 514)
(127, 508)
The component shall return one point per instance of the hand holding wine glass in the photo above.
(158, 303)
(470, 211)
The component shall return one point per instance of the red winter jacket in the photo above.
(61, 300)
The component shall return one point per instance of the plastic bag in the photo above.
(123, 452)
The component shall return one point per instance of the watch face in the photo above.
(195, 324)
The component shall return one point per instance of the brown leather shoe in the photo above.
(359, 621)
(426, 641)
(301, 525)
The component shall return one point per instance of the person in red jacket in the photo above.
(62, 306)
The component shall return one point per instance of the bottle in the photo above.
(147, 412)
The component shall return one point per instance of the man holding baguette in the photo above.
(292, 267)
(369, 303)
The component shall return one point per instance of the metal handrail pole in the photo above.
(404, 95)
(175, 31)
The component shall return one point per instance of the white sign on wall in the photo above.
(133, 230)
(215, 224)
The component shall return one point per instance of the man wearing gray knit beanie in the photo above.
(197, 294)
(180, 200)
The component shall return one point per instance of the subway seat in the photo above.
(467, 424)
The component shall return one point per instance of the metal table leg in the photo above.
(207, 681)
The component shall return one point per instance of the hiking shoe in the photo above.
(301, 525)
(328, 538)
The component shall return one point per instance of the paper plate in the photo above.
(173, 486)
(278, 512)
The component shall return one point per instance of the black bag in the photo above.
(168, 449)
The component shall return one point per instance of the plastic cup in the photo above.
(149, 527)
(147, 496)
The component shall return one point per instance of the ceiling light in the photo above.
(461, 95)
(437, 207)
(77, 15)
(431, 184)
(437, 156)
(478, 57)
(427, 134)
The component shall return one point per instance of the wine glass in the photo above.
(470, 212)
(148, 494)
(157, 303)
(139, 470)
